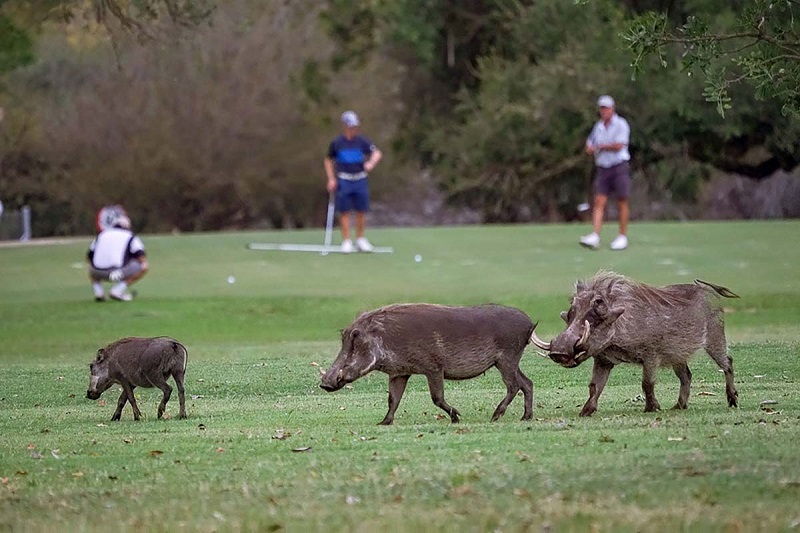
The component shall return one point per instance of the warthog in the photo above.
(439, 342)
(139, 362)
(617, 320)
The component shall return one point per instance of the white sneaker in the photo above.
(590, 241)
(99, 292)
(120, 293)
(363, 244)
(347, 246)
(620, 243)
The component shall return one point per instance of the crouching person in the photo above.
(116, 255)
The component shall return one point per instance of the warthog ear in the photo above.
(101, 354)
(563, 316)
(614, 314)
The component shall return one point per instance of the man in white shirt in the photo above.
(608, 143)
(118, 256)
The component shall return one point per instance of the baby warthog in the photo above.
(617, 320)
(439, 342)
(139, 362)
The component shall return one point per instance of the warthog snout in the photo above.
(563, 352)
(92, 394)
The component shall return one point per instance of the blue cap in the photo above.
(350, 119)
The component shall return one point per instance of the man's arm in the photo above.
(621, 139)
(374, 158)
(329, 171)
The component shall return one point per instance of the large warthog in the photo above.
(439, 342)
(617, 320)
(139, 362)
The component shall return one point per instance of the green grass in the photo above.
(65, 466)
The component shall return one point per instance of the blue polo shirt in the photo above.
(349, 155)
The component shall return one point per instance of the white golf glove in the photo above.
(116, 275)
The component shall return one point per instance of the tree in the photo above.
(762, 47)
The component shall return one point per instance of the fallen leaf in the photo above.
(60, 378)
(155, 453)
(758, 376)
(20, 473)
(706, 393)
(3, 480)
(605, 438)
(462, 430)
(351, 500)
(523, 457)
(201, 380)
(72, 395)
(461, 490)
(420, 435)
(101, 425)
(31, 446)
(521, 493)
(127, 441)
(768, 402)
(77, 474)
(36, 455)
(101, 403)
(439, 416)
(197, 396)
(302, 449)
(201, 427)
(281, 434)
(314, 364)
(675, 439)
(112, 477)
(348, 386)
(342, 407)
(167, 416)
(55, 453)
(220, 450)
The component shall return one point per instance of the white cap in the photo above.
(605, 101)
(350, 119)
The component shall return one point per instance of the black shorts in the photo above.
(614, 181)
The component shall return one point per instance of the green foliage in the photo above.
(253, 395)
(763, 46)
(16, 46)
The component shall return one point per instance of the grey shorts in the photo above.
(614, 181)
(101, 274)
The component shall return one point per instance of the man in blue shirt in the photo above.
(350, 158)
(608, 143)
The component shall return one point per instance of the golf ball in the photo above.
(231, 279)
(418, 258)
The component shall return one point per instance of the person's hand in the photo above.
(590, 149)
(331, 185)
(368, 166)
(116, 275)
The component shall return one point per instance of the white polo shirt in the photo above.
(618, 131)
(113, 247)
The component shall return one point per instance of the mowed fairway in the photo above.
(253, 395)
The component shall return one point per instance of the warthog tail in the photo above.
(722, 291)
(175, 346)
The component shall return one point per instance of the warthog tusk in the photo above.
(585, 337)
(321, 371)
(581, 357)
(539, 342)
(542, 354)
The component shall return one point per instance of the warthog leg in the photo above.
(397, 386)
(648, 386)
(685, 377)
(717, 348)
(127, 388)
(514, 380)
(178, 377)
(167, 390)
(436, 386)
(123, 398)
(600, 373)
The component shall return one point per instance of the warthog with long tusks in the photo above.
(439, 342)
(139, 362)
(617, 320)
